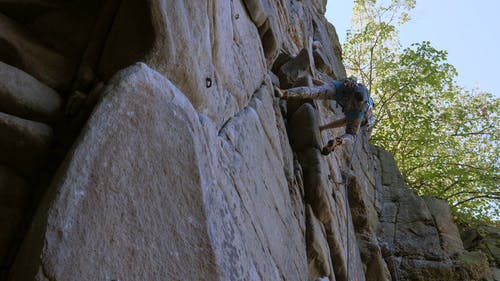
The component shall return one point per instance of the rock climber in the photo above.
(354, 99)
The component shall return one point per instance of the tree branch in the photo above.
(475, 198)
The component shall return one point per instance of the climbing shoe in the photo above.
(329, 147)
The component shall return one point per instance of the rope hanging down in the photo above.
(347, 211)
(331, 147)
(348, 208)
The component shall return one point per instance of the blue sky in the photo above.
(468, 30)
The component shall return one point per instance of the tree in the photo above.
(444, 137)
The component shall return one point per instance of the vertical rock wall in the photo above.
(188, 167)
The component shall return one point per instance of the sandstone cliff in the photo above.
(188, 168)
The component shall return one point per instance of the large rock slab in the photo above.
(152, 190)
(122, 207)
(24, 96)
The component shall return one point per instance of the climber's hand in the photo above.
(338, 141)
(278, 92)
(282, 94)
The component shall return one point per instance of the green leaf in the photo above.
(445, 138)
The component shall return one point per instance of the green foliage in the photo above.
(444, 138)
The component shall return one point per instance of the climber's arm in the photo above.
(326, 91)
(334, 124)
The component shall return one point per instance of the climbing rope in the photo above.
(347, 208)
(332, 147)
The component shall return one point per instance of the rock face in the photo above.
(190, 214)
(97, 208)
(485, 239)
(188, 167)
(419, 233)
